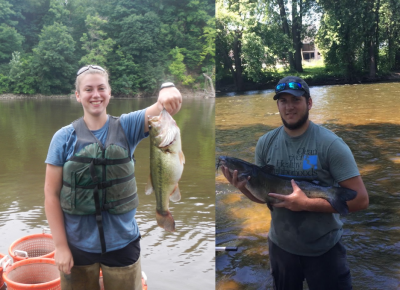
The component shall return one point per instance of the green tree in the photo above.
(7, 13)
(10, 41)
(57, 13)
(207, 54)
(348, 37)
(54, 62)
(94, 42)
(178, 68)
(125, 78)
(22, 80)
(248, 42)
(389, 35)
(4, 83)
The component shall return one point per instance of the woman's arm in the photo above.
(52, 188)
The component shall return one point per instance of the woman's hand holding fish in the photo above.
(170, 99)
(296, 201)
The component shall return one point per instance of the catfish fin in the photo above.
(271, 208)
(149, 186)
(268, 168)
(175, 195)
(340, 196)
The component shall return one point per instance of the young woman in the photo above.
(90, 188)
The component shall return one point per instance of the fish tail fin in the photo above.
(166, 221)
(339, 198)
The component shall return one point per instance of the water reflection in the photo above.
(366, 118)
(184, 259)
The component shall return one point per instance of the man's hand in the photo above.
(296, 201)
(233, 178)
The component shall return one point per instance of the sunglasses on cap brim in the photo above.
(85, 68)
(290, 85)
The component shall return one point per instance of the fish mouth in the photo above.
(220, 162)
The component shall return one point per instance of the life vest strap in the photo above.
(113, 204)
(99, 219)
(100, 161)
(104, 184)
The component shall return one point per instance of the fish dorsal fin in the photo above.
(268, 168)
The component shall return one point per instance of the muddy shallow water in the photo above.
(367, 118)
(184, 259)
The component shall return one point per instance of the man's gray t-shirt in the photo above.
(317, 155)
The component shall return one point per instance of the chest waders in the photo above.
(99, 178)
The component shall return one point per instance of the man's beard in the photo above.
(298, 124)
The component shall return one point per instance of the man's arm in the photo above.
(170, 99)
(52, 187)
(362, 200)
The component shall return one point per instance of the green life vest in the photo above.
(99, 178)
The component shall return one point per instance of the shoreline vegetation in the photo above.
(140, 43)
(186, 93)
(328, 81)
(324, 42)
(315, 74)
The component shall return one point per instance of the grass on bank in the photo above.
(314, 70)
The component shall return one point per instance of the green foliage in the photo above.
(178, 68)
(10, 41)
(4, 83)
(21, 78)
(247, 37)
(131, 38)
(124, 75)
(94, 42)
(57, 13)
(7, 14)
(53, 60)
(209, 33)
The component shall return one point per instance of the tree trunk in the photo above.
(237, 50)
(372, 47)
(372, 64)
(285, 27)
(296, 34)
(212, 92)
(377, 35)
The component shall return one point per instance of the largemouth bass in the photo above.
(166, 166)
(262, 182)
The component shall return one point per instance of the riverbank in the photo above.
(186, 93)
(312, 80)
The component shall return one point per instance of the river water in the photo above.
(184, 259)
(367, 118)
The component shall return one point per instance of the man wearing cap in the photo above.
(305, 234)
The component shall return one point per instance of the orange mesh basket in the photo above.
(2, 261)
(32, 246)
(33, 273)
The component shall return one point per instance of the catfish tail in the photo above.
(340, 196)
